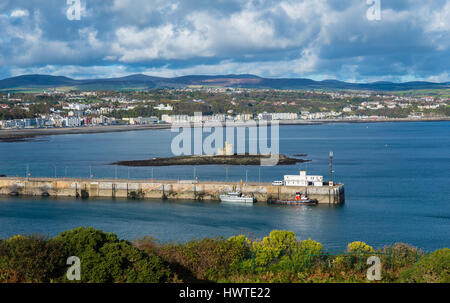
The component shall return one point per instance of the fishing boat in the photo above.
(236, 197)
(300, 199)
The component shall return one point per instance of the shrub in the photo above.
(208, 258)
(312, 246)
(359, 246)
(31, 259)
(434, 267)
(272, 248)
(402, 255)
(81, 240)
(104, 258)
(278, 258)
(299, 255)
(282, 252)
(352, 261)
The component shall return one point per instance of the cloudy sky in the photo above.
(318, 39)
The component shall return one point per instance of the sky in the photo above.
(349, 40)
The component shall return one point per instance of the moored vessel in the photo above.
(300, 199)
(236, 197)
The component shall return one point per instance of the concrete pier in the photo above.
(161, 189)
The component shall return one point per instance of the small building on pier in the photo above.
(303, 179)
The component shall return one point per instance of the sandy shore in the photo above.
(23, 134)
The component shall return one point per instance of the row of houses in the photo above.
(222, 117)
(22, 123)
(51, 121)
(142, 120)
(277, 116)
(320, 115)
(196, 119)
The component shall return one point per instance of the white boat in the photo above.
(236, 197)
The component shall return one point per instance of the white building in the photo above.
(164, 107)
(303, 180)
(175, 118)
(243, 117)
(71, 122)
(142, 120)
(197, 119)
(76, 106)
(284, 116)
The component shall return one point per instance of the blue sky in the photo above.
(318, 39)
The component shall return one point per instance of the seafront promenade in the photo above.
(162, 189)
(27, 133)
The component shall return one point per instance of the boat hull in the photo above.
(232, 199)
(295, 202)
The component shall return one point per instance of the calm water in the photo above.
(396, 179)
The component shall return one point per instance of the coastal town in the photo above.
(224, 150)
(53, 108)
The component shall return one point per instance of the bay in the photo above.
(396, 178)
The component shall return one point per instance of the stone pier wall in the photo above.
(165, 189)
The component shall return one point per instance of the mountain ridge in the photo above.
(230, 80)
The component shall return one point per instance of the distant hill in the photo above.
(140, 81)
(36, 80)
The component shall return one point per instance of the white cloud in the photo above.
(19, 13)
(163, 42)
(202, 34)
(90, 35)
(290, 38)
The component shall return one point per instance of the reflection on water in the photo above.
(394, 175)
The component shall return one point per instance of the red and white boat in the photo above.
(300, 199)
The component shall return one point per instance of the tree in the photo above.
(105, 258)
(31, 259)
(434, 267)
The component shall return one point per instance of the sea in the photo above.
(396, 176)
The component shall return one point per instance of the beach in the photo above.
(14, 135)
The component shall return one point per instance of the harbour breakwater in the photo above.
(162, 189)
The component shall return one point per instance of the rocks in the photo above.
(210, 160)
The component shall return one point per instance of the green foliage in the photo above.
(300, 258)
(357, 251)
(104, 258)
(446, 110)
(31, 259)
(402, 255)
(312, 246)
(278, 257)
(359, 246)
(208, 258)
(80, 240)
(282, 252)
(271, 248)
(296, 259)
(434, 267)
(139, 111)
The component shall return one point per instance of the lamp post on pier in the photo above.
(331, 167)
